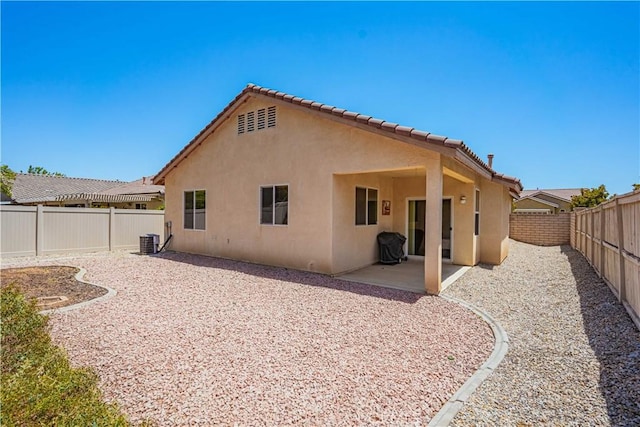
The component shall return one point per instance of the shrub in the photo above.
(38, 385)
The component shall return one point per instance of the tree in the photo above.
(39, 170)
(636, 187)
(7, 176)
(590, 197)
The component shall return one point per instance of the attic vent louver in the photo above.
(240, 124)
(266, 119)
(271, 117)
(251, 121)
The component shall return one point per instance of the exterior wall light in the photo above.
(463, 200)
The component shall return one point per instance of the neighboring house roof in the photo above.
(32, 188)
(559, 193)
(451, 147)
(143, 185)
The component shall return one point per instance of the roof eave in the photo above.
(443, 145)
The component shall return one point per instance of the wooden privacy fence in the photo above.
(43, 230)
(609, 237)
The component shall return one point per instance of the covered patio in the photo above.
(406, 276)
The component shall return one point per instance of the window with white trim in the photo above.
(195, 209)
(477, 214)
(274, 205)
(366, 206)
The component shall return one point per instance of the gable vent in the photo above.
(266, 118)
(271, 117)
(240, 124)
(251, 121)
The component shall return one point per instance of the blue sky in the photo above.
(115, 90)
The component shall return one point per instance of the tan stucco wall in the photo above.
(322, 162)
(463, 247)
(495, 208)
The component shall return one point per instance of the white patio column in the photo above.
(433, 232)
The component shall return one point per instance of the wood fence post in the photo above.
(112, 228)
(623, 296)
(593, 239)
(39, 230)
(602, 230)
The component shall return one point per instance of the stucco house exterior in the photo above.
(545, 201)
(280, 180)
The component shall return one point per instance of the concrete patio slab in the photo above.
(406, 276)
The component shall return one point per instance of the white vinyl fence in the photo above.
(43, 230)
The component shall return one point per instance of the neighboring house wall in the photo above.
(323, 161)
(542, 230)
(41, 230)
(533, 204)
(563, 205)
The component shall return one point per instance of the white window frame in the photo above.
(366, 212)
(273, 186)
(194, 210)
(476, 212)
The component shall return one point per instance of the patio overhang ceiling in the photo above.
(455, 175)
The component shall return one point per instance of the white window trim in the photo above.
(476, 204)
(260, 204)
(194, 219)
(367, 206)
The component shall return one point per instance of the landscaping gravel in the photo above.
(191, 340)
(574, 353)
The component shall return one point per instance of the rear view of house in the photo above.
(280, 180)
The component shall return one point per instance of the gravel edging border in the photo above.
(446, 414)
(79, 277)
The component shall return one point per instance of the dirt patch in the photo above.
(53, 287)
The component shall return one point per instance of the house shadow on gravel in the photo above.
(614, 339)
(293, 276)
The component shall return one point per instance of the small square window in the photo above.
(274, 205)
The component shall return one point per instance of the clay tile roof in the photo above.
(388, 126)
(32, 188)
(436, 138)
(362, 118)
(350, 115)
(419, 134)
(375, 122)
(402, 131)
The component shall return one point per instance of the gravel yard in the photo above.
(574, 353)
(191, 340)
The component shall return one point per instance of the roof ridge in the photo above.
(70, 177)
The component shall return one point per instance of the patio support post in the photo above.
(433, 232)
